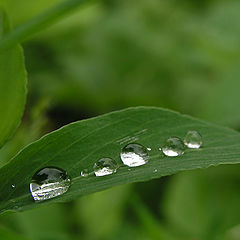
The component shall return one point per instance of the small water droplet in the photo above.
(105, 166)
(193, 139)
(13, 185)
(48, 183)
(85, 173)
(149, 149)
(173, 147)
(155, 170)
(134, 155)
(15, 207)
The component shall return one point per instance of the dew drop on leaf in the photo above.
(85, 173)
(173, 147)
(48, 183)
(193, 139)
(13, 185)
(105, 166)
(134, 155)
(15, 207)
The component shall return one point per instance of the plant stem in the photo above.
(39, 22)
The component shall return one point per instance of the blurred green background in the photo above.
(183, 55)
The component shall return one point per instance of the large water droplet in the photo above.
(48, 183)
(134, 155)
(173, 147)
(193, 139)
(105, 166)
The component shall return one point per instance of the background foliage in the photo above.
(182, 55)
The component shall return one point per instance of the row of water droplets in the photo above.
(175, 146)
(132, 155)
(51, 182)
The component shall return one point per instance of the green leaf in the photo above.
(78, 145)
(12, 85)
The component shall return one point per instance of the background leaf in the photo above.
(7, 234)
(78, 145)
(12, 85)
(197, 203)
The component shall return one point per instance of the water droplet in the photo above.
(15, 207)
(85, 173)
(149, 149)
(155, 170)
(173, 147)
(105, 166)
(13, 185)
(134, 155)
(193, 139)
(48, 183)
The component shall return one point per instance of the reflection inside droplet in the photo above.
(48, 183)
(173, 147)
(193, 139)
(105, 166)
(134, 155)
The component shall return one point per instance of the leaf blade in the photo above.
(13, 82)
(78, 145)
